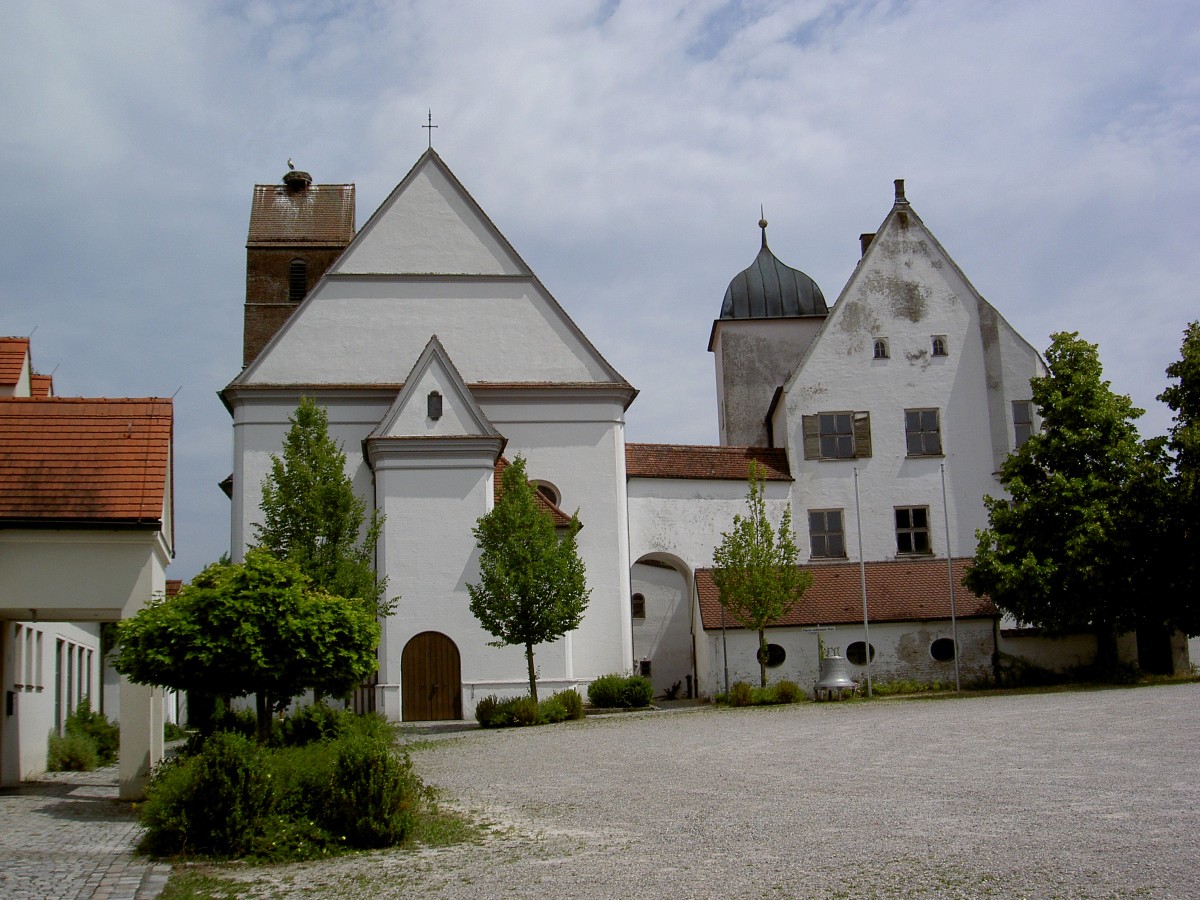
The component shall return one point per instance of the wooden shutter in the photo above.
(811, 426)
(862, 435)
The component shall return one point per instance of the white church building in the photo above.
(438, 354)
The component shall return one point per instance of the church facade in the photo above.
(438, 353)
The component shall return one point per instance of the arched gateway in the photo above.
(431, 679)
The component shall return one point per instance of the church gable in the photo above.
(429, 261)
(430, 225)
(434, 403)
(906, 305)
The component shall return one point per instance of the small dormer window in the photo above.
(297, 280)
(435, 405)
(881, 348)
(939, 345)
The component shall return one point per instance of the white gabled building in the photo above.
(436, 350)
(86, 534)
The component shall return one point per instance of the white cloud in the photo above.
(624, 148)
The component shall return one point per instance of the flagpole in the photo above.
(862, 575)
(950, 570)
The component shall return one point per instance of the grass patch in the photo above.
(194, 883)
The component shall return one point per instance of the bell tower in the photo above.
(297, 230)
(770, 314)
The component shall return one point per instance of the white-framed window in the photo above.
(881, 349)
(938, 345)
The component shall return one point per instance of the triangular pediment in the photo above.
(429, 261)
(429, 225)
(434, 403)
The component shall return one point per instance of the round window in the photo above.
(942, 649)
(857, 653)
(775, 655)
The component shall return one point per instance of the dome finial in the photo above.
(762, 223)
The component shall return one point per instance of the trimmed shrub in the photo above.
(605, 691)
(787, 691)
(71, 752)
(372, 793)
(740, 694)
(620, 691)
(571, 702)
(637, 692)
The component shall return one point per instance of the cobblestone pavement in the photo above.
(67, 835)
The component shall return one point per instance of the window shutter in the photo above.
(862, 435)
(811, 427)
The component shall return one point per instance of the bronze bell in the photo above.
(835, 677)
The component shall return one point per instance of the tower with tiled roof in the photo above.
(769, 316)
(297, 230)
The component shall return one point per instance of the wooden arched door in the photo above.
(431, 679)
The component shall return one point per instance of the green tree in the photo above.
(755, 571)
(312, 516)
(1074, 549)
(1183, 443)
(259, 627)
(532, 584)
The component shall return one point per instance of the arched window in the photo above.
(881, 348)
(637, 606)
(297, 280)
(939, 345)
(547, 490)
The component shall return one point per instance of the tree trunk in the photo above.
(1106, 649)
(762, 658)
(262, 709)
(532, 675)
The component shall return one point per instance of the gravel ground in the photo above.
(1074, 795)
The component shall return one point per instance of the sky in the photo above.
(623, 148)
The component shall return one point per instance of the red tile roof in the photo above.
(898, 591)
(41, 385)
(561, 519)
(80, 460)
(319, 214)
(717, 463)
(13, 353)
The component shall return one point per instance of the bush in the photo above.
(372, 794)
(638, 691)
(485, 711)
(571, 702)
(524, 710)
(315, 722)
(740, 694)
(620, 691)
(788, 692)
(234, 798)
(213, 803)
(551, 710)
(105, 734)
(71, 752)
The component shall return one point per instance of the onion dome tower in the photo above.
(770, 314)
